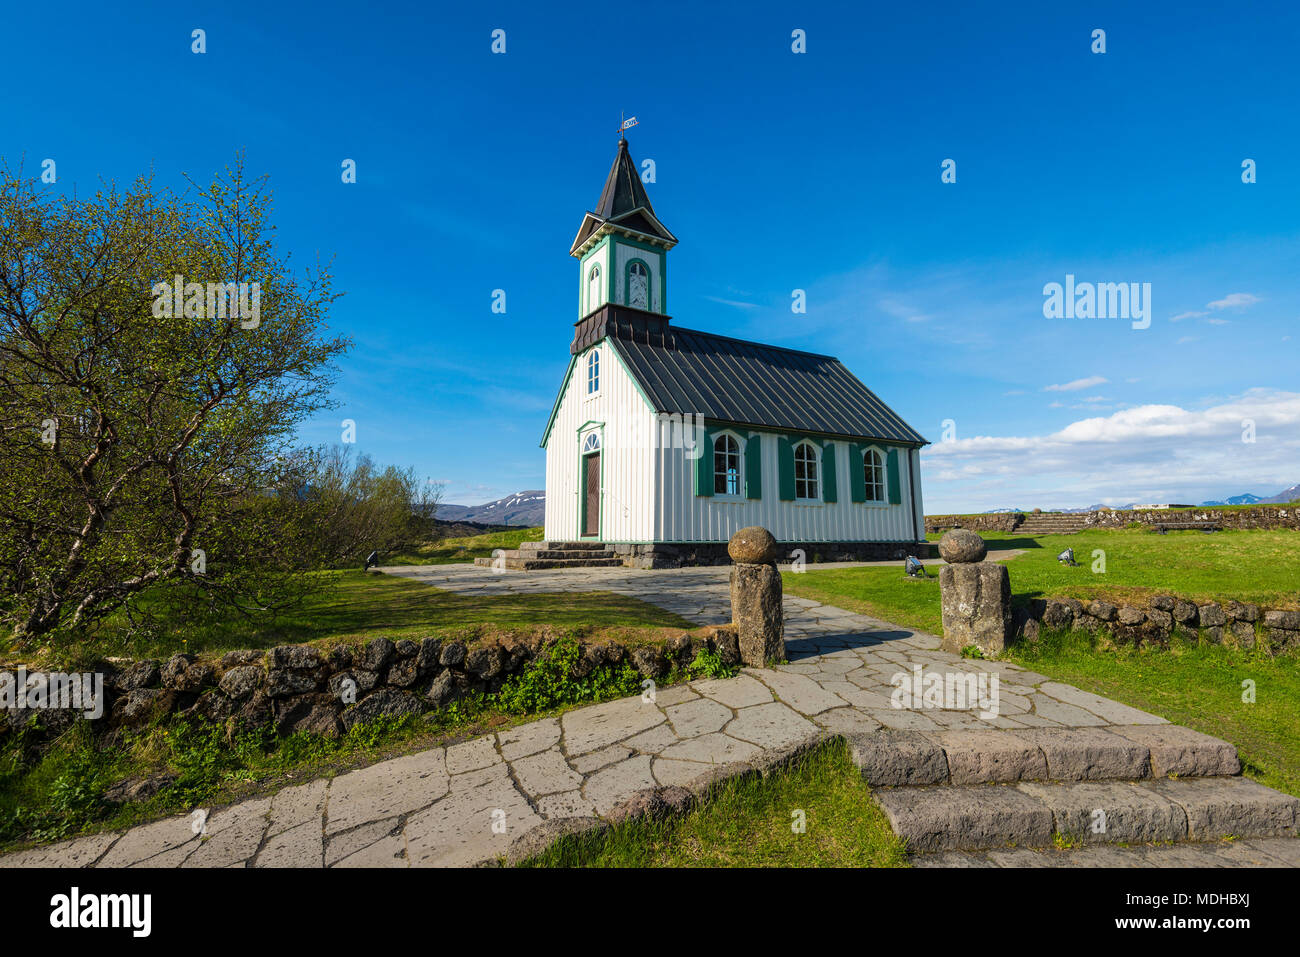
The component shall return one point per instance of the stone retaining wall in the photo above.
(1259, 516)
(301, 688)
(1237, 623)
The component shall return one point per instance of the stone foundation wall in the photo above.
(301, 688)
(1232, 622)
(684, 554)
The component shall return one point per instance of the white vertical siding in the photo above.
(914, 477)
(648, 486)
(627, 454)
(685, 517)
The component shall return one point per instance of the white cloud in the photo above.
(738, 303)
(902, 311)
(1237, 300)
(1077, 384)
(1187, 315)
(1149, 452)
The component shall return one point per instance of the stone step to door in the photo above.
(564, 546)
(1031, 814)
(533, 553)
(523, 563)
(1249, 852)
(994, 756)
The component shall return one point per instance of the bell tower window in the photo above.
(593, 288)
(638, 285)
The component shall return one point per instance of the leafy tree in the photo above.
(355, 506)
(141, 452)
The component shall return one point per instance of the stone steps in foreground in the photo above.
(1118, 752)
(1250, 852)
(937, 818)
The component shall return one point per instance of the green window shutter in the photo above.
(829, 491)
(785, 468)
(704, 467)
(895, 490)
(857, 478)
(753, 467)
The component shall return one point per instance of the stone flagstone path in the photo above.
(469, 803)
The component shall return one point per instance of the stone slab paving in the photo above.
(468, 803)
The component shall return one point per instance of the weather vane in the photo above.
(625, 124)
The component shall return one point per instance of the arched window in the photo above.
(873, 471)
(593, 371)
(591, 443)
(805, 471)
(726, 466)
(593, 288)
(638, 285)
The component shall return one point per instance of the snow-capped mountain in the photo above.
(523, 508)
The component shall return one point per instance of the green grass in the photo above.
(453, 550)
(1254, 565)
(747, 822)
(358, 606)
(1197, 685)
(1248, 565)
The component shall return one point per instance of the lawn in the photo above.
(452, 550)
(355, 605)
(752, 822)
(1253, 565)
(1249, 565)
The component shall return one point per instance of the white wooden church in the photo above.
(788, 440)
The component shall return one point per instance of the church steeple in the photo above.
(622, 246)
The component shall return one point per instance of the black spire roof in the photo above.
(623, 191)
(624, 203)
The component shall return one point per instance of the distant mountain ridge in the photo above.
(1291, 494)
(526, 508)
(1246, 499)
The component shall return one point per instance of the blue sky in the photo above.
(818, 171)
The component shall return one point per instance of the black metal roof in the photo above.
(749, 383)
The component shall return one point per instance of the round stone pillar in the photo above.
(756, 597)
